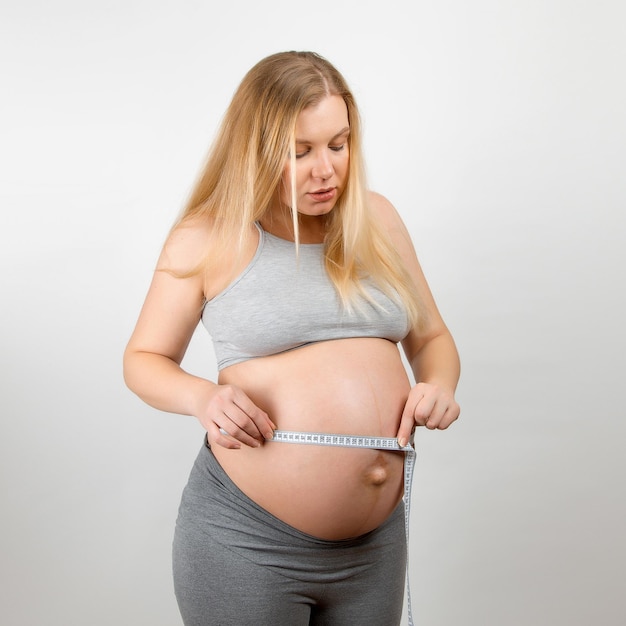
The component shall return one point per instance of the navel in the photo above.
(378, 473)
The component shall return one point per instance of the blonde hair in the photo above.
(244, 169)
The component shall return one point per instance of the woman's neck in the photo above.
(312, 229)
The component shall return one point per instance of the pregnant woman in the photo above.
(307, 282)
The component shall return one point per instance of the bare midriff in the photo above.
(345, 386)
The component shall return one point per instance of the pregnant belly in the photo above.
(350, 386)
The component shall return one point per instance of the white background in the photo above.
(498, 130)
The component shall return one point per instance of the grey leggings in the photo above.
(235, 564)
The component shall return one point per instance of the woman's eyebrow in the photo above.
(342, 132)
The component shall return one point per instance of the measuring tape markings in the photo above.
(375, 443)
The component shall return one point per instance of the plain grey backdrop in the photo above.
(498, 130)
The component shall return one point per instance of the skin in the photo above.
(322, 162)
(299, 389)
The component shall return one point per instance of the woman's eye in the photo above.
(304, 151)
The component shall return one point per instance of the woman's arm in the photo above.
(430, 349)
(167, 321)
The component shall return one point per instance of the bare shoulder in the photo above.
(198, 249)
(186, 246)
(380, 205)
(386, 215)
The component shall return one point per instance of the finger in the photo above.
(424, 410)
(451, 415)
(258, 425)
(442, 414)
(256, 422)
(217, 437)
(407, 421)
(261, 423)
(407, 424)
(239, 426)
(242, 412)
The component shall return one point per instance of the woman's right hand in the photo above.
(168, 320)
(231, 419)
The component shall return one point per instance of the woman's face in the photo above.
(322, 157)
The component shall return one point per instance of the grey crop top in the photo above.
(279, 303)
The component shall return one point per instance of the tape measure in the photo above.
(344, 441)
(375, 443)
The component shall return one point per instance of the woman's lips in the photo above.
(323, 195)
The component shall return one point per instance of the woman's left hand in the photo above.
(427, 405)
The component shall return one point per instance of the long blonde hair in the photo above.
(245, 166)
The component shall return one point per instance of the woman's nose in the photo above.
(323, 167)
